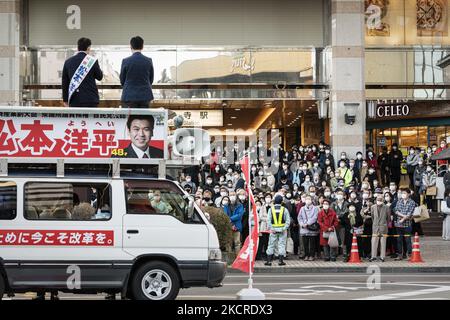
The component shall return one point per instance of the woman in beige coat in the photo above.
(381, 215)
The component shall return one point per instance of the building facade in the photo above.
(353, 73)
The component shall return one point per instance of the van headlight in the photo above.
(215, 254)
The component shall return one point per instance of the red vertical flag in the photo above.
(243, 259)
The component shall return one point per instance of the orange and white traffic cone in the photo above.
(415, 257)
(354, 254)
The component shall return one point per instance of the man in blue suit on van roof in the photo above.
(136, 77)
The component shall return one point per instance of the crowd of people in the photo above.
(304, 196)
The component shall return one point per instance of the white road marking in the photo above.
(318, 275)
(418, 283)
(293, 293)
(407, 294)
(336, 287)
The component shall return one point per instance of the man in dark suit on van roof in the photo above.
(136, 77)
(86, 93)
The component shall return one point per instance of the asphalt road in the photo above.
(318, 287)
(332, 287)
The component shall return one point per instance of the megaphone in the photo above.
(190, 143)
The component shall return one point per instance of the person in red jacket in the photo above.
(328, 222)
(372, 159)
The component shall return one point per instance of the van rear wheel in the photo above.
(155, 280)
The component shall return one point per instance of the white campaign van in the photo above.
(142, 237)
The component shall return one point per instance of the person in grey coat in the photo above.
(418, 175)
(428, 180)
(412, 160)
(381, 215)
(307, 220)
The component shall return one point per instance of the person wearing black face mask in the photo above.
(395, 160)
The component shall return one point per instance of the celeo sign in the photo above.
(396, 110)
(30, 132)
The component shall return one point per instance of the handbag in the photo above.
(333, 241)
(431, 191)
(289, 245)
(313, 227)
(424, 215)
(417, 211)
(358, 230)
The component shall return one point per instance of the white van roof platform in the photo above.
(113, 168)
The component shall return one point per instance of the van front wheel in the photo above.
(155, 280)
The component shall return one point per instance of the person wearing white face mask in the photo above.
(328, 222)
(395, 160)
(264, 186)
(258, 178)
(327, 193)
(372, 175)
(419, 171)
(353, 199)
(235, 211)
(271, 180)
(316, 170)
(285, 172)
(358, 165)
(345, 173)
(279, 221)
(222, 193)
(263, 229)
(381, 215)
(188, 182)
(344, 158)
(340, 206)
(391, 242)
(412, 160)
(309, 228)
(404, 211)
(229, 175)
(307, 183)
(363, 171)
(297, 174)
(326, 159)
(367, 218)
(242, 198)
(383, 164)
(428, 183)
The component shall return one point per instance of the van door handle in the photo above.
(132, 231)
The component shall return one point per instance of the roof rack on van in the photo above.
(114, 167)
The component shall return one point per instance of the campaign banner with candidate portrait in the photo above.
(30, 132)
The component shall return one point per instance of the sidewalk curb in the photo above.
(356, 269)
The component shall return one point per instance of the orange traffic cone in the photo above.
(354, 255)
(415, 257)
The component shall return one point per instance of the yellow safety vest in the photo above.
(278, 221)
